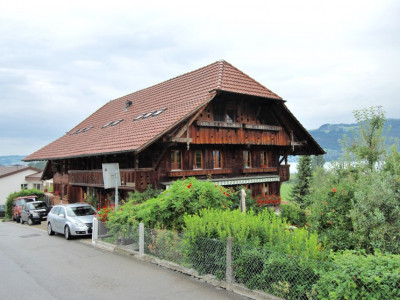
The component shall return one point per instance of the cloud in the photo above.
(59, 62)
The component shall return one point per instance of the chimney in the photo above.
(128, 103)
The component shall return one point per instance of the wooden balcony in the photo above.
(259, 170)
(199, 172)
(131, 179)
(284, 172)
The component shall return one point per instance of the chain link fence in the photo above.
(278, 274)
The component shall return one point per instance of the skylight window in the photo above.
(153, 113)
(148, 114)
(81, 130)
(87, 129)
(139, 117)
(159, 111)
(107, 124)
(116, 122)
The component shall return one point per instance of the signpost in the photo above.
(112, 179)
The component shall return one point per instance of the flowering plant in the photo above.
(104, 212)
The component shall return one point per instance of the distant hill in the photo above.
(10, 160)
(329, 135)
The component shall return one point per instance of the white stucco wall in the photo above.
(12, 183)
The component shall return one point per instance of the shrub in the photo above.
(262, 230)
(355, 275)
(187, 196)
(266, 255)
(293, 214)
(10, 198)
(137, 197)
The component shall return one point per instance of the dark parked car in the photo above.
(2, 211)
(17, 205)
(34, 212)
(71, 219)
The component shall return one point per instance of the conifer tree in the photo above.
(303, 180)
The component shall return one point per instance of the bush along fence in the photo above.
(257, 272)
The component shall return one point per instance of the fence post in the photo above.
(229, 273)
(95, 230)
(141, 239)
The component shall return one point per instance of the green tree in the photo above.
(368, 141)
(318, 161)
(304, 175)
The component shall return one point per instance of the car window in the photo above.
(38, 205)
(55, 210)
(29, 205)
(61, 211)
(79, 211)
(20, 202)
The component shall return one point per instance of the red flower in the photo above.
(334, 190)
(227, 195)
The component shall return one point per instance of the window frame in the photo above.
(195, 165)
(246, 159)
(217, 163)
(264, 159)
(175, 154)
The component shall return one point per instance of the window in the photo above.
(230, 116)
(37, 186)
(217, 159)
(176, 160)
(219, 113)
(198, 159)
(246, 159)
(264, 159)
(24, 186)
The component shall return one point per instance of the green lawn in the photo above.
(287, 187)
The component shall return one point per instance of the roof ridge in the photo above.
(220, 73)
(251, 78)
(171, 79)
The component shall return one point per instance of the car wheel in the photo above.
(30, 222)
(67, 233)
(21, 221)
(49, 229)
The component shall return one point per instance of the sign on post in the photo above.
(111, 175)
(112, 179)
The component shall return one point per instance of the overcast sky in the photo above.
(62, 60)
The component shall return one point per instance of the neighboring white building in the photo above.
(15, 178)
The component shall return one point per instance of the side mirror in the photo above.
(61, 215)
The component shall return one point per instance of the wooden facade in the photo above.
(232, 141)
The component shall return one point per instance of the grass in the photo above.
(286, 188)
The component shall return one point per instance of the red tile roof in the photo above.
(180, 96)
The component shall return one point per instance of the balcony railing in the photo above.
(199, 172)
(137, 179)
(260, 170)
(284, 172)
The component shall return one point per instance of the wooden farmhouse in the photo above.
(213, 123)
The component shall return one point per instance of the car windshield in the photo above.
(78, 211)
(37, 205)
